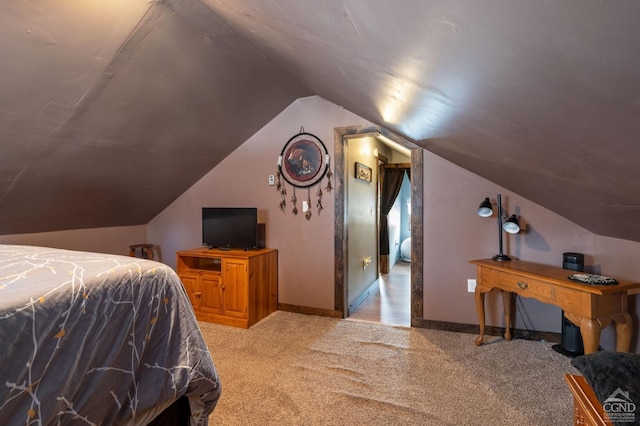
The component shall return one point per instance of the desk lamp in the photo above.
(510, 225)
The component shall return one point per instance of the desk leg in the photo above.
(506, 305)
(590, 330)
(480, 309)
(624, 329)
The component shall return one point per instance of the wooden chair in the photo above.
(144, 251)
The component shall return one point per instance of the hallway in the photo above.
(391, 303)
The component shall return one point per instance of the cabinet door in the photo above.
(211, 297)
(191, 283)
(235, 283)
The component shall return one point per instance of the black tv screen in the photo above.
(228, 228)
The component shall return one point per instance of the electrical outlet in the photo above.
(272, 180)
(471, 285)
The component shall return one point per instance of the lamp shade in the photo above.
(485, 209)
(511, 225)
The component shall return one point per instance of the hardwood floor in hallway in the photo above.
(391, 303)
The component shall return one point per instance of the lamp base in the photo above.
(501, 257)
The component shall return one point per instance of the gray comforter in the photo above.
(97, 339)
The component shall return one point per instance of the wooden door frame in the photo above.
(340, 217)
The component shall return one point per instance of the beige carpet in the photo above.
(292, 369)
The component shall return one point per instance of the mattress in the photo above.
(97, 339)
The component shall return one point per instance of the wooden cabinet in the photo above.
(235, 287)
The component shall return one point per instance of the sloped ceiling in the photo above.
(110, 110)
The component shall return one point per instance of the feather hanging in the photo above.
(328, 188)
(319, 202)
(307, 215)
(283, 194)
(278, 181)
(294, 199)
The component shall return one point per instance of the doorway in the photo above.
(389, 303)
(341, 294)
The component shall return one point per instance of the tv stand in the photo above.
(219, 248)
(233, 286)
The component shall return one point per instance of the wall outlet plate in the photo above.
(272, 180)
(471, 285)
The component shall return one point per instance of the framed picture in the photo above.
(304, 160)
(363, 172)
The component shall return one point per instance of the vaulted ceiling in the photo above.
(107, 108)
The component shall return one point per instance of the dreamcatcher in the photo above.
(303, 162)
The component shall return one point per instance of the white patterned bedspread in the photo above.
(97, 339)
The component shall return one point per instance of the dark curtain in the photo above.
(390, 183)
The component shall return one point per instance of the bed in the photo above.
(98, 339)
(608, 391)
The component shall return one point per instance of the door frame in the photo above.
(341, 134)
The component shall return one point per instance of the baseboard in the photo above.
(488, 330)
(365, 293)
(438, 325)
(309, 311)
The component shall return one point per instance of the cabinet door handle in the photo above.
(522, 285)
(198, 295)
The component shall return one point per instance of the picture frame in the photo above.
(304, 160)
(363, 172)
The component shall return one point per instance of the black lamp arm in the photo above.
(501, 255)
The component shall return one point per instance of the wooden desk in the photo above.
(590, 307)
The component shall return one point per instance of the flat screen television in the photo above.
(227, 228)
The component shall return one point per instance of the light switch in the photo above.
(305, 206)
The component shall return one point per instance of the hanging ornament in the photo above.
(303, 163)
(329, 176)
(293, 201)
(307, 215)
(319, 202)
(283, 192)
